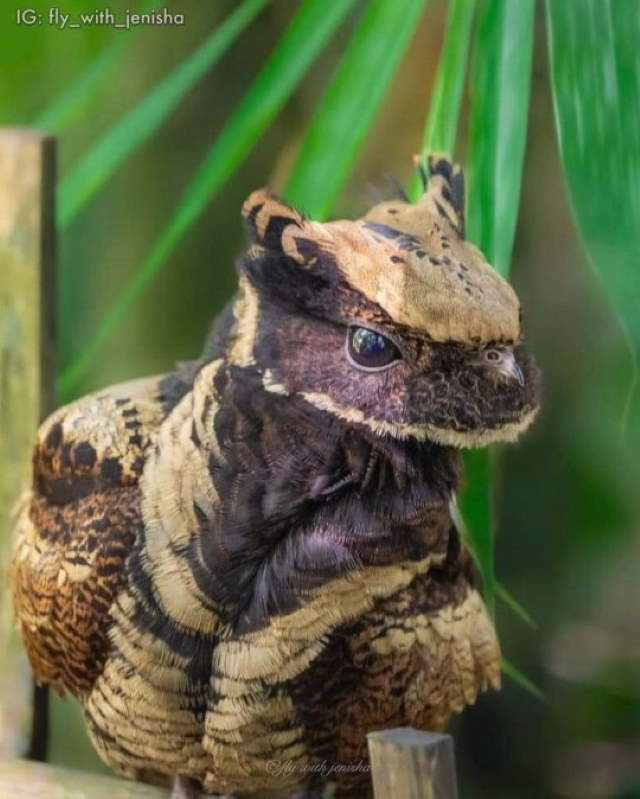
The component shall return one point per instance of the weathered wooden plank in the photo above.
(411, 764)
(27, 173)
(24, 778)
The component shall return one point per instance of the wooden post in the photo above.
(412, 764)
(27, 175)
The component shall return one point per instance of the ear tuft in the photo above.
(273, 224)
(446, 189)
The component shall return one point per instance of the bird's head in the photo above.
(392, 322)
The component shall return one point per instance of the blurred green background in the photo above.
(566, 515)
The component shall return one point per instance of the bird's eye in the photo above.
(370, 351)
(493, 356)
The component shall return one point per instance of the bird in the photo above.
(243, 566)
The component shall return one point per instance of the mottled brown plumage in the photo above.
(242, 567)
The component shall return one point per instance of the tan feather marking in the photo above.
(150, 714)
(439, 283)
(98, 419)
(149, 724)
(313, 231)
(262, 219)
(462, 635)
(204, 410)
(249, 744)
(246, 312)
(271, 206)
(282, 650)
(77, 572)
(270, 383)
(453, 438)
(176, 476)
(154, 659)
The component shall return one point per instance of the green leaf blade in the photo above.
(145, 118)
(350, 103)
(444, 109)
(501, 72)
(512, 603)
(498, 123)
(514, 674)
(477, 509)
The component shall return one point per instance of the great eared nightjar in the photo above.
(252, 559)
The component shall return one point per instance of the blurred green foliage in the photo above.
(595, 72)
(321, 98)
(58, 114)
(124, 137)
(306, 34)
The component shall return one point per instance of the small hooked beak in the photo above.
(508, 366)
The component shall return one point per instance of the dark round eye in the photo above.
(369, 350)
(493, 355)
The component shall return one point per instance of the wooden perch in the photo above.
(411, 764)
(27, 167)
(24, 778)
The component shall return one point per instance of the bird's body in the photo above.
(242, 567)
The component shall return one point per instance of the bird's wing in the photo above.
(77, 525)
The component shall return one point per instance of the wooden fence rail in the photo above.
(23, 778)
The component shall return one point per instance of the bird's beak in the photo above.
(509, 368)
